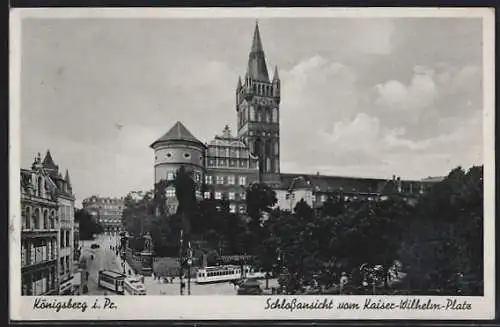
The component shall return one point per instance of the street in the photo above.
(104, 258)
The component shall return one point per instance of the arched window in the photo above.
(268, 148)
(52, 219)
(276, 147)
(268, 117)
(252, 113)
(37, 217)
(257, 147)
(26, 217)
(45, 219)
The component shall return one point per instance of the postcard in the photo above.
(252, 163)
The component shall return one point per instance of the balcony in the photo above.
(29, 265)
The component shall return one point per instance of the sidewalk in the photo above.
(119, 262)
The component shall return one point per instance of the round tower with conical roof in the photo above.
(178, 148)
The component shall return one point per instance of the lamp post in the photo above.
(181, 262)
(189, 262)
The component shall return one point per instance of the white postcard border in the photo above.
(244, 307)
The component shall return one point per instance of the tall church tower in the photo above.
(257, 105)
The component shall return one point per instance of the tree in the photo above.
(260, 198)
(185, 191)
(88, 226)
(445, 240)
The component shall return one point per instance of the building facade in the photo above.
(178, 148)
(39, 233)
(230, 163)
(230, 168)
(66, 215)
(106, 211)
(257, 107)
(47, 206)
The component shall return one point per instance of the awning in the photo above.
(77, 279)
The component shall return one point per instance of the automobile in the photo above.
(95, 246)
(250, 287)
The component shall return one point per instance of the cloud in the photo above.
(433, 94)
(366, 97)
(418, 95)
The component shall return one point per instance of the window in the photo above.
(219, 179)
(208, 179)
(243, 180)
(230, 180)
(170, 192)
(207, 195)
(243, 195)
(231, 195)
(242, 209)
(67, 238)
(168, 155)
(232, 208)
(187, 155)
(197, 177)
(61, 240)
(218, 195)
(170, 176)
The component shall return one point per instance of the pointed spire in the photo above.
(276, 77)
(257, 69)
(48, 162)
(66, 178)
(257, 43)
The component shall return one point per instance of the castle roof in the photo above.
(178, 132)
(257, 68)
(48, 162)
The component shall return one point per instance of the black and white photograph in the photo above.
(254, 163)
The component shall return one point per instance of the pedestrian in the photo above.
(343, 281)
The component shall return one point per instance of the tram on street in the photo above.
(133, 286)
(111, 280)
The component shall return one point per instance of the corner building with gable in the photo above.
(224, 167)
(47, 229)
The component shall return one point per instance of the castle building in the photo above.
(106, 211)
(230, 163)
(230, 168)
(257, 107)
(47, 207)
(178, 148)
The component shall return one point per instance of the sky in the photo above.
(360, 96)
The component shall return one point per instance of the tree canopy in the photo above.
(438, 238)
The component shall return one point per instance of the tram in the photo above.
(111, 280)
(217, 274)
(133, 286)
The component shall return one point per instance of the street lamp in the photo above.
(181, 263)
(189, 262)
